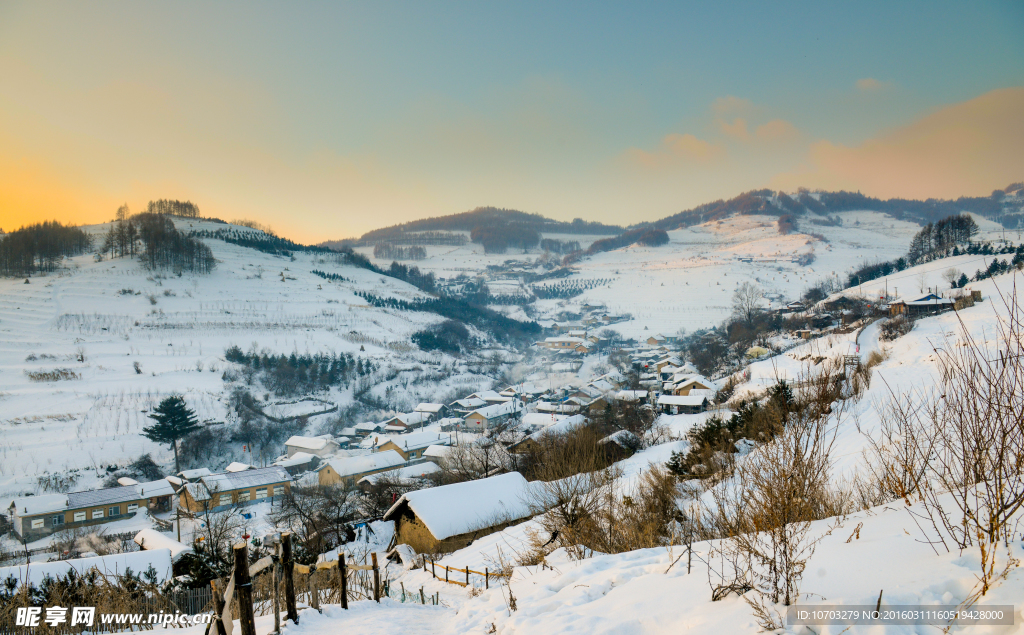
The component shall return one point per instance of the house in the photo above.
(446, 518)
(318, 446)
(563, 343)
(682, 404)
(549, 407)
(434, 411)
(436, 453)
(157, 493)
(657, 340)
(449, 424)
(299, 462)
(407, 421)
(194, 475)
(412, 446)
(218, 492)
(532, 440)
(465, 406)
(364, 429)
(683, 385)
(149, 539)
(347, 470)
(407, 475)
(632, 396)
(926, 305)
(35, 517)
(793, 307)
(494, 415)
(804, 334)
(490, 396)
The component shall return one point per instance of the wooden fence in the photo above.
(464, 572)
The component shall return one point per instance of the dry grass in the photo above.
(57, 374)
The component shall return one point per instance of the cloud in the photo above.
(777, 130)
(732, 106)
(737, 129)
(963, 149)
(677, 149)
(870, 84)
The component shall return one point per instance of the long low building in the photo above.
(349, 469)
(219, 492)
(35, 517)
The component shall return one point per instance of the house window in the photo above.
(225, 499)
(115, 510)
(134, 507)
(261, 493)
(58, 519)
(79, 517)
(97, 513)
(243, 496)
(37, 523)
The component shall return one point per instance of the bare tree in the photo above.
(951, 275)
(746, 302)
(320, 516)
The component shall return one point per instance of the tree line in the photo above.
(163, 246)
(497, 238)
(396, 252)
(503, 328)
(40, 247)
(186, 209)
(288, 375)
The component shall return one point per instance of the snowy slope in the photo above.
(115, 313)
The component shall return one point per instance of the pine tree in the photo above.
(174, 421)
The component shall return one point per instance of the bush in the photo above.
(895, 327)
(450, 336)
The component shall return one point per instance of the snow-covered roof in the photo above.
(114, 564)
(565, 424)
(307, 443)
(417, 440)
(124, 480)
(349, 466)
(408, 472)
(152, 489)
(631, 395)
(681, 400)
(368, 426)
(469, 402)
(432, 408)
(498, 409)
(541, 418)
(150, 539)
(106, 496)
(299, 458)
(235, 466)
(249, 478)
(450, 510)
(199, 472)
(174, 480)
(197, 491)
(42, 504)
(437, 451)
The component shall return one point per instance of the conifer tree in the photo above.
(174, 421)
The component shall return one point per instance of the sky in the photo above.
(326, 120)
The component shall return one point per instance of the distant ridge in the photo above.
(483, 217)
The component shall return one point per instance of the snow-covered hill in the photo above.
(96, 320)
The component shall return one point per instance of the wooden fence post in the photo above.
(376, 578)
(275, 573)
(343, 570)
(445, 574)
(423, 598)
(289, 577)
(433, 571)
(218, 605)
(467, 575)
(243, 590)
(314, 592)
(487, 581)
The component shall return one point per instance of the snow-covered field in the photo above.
(97, 320)
(688, 283)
